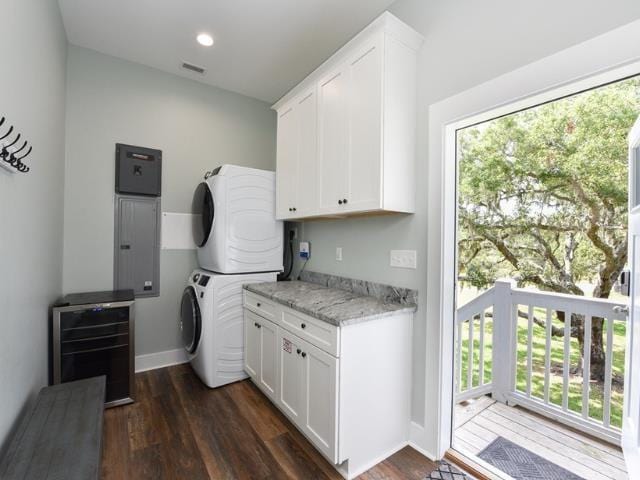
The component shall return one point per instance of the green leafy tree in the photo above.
(543, 198)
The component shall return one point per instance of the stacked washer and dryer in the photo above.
(239, 241)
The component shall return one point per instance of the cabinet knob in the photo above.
(298, 351)
(304, 354)
(304, 325)
(258, 304)
(257, 325)
(290, 209)
(339, 202)
(344, 200)
(295, 209)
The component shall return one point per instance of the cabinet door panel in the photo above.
(321, 394)
(307, 173)
(287, 163)
(291, 363)
(268, 357)
(251, 344)
(333, 140)
(365, 127)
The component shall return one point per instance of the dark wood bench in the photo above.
(60, 437)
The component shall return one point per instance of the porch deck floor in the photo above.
(481, 421)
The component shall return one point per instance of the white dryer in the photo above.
(212, 326)
(235, 226)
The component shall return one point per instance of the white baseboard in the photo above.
(416, 438)
(167, 358)
(363, 468)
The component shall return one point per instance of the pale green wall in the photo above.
(32, 89)
(197, 127)
(467, 42)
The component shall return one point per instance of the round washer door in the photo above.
(204, 212)
(190, 320)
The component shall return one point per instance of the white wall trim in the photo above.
(604, 58)
(373, 463)
(151, 361)
(416, 435)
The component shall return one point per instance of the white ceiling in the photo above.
(262, 47)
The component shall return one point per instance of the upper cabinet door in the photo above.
(287, 163)
(365, 69)
(333, 139)
(307, 120)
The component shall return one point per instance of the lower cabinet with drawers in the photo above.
(346, 388)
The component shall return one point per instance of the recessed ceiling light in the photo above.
(205, 39)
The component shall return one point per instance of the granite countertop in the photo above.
(332, 305)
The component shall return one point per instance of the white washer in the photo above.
(212, 326)
(235, 226)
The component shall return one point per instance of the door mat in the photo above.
(446, 471)
(522, 464)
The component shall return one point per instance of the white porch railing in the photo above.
(500, 324)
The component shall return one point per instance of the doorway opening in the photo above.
(540, 326)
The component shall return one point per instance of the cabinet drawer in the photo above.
(316, 332)
(260, 305)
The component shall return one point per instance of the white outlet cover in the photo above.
(339, 254)
(403, 259)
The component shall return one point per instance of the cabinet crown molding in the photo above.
(386, 22)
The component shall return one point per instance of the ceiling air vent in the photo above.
(192, 67)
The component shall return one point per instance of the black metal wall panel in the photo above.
(138, 170)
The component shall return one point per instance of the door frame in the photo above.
(604, 59)
(630, 450)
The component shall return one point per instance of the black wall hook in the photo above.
(18, 160)
(7, 134)
(13, 143)
(22, 147)
(9, 155)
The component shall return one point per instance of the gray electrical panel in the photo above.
(137, 245)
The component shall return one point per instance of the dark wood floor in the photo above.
(180, 429)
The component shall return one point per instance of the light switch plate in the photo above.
(339, 254)
(404, 259)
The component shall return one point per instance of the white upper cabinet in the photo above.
(297, 167)
(333, 139)
(346, 134)
(307, 148)
(365, 127)
(287, 172)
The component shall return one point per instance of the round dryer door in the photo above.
(203, 211)
(190, 320)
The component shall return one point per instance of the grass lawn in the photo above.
(557, 356)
